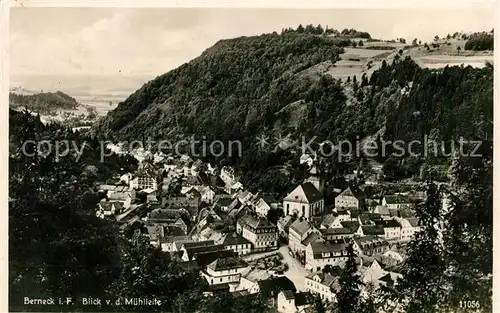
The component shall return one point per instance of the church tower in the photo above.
(315, 176)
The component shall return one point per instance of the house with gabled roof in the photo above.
(376, 275)
(299, 231)
(304, 201)
(320, 254)
(324, 285)
(109, 208)
(351, 197)
(382, 210)
(262, 207)
(287, 301)
(225, 271)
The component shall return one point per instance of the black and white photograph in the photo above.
(250, 159)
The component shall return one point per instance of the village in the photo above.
(246, 243)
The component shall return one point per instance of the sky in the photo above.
(126, 41)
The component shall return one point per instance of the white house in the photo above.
(324, 285)
(225, 271)
(207, 194)
(320, 254)
(304, 201)
(258, 231)
(298, 232)
(109, 208)
(392, 229)
(351, 197)
(289, 302)
(407, 231)
(262, 207)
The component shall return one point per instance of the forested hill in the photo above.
(44, 102)
(236, 85)
(241, 87)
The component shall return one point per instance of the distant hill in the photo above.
(46, 102)
(53, 106)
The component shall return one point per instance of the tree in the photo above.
(436, 38)
(360, 43)
(317, 306)
(468, 236)
(350, 284)
(391, 169)
(300, 28)
(414, 42)
(354, 44)
(422, 286)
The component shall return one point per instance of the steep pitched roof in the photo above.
(285, 221)
(311, 238)
(319, 248)
(326, 279)
(255, 222)
(353, 192)
(234, 239)
(414, 222)
(300, 227)
(305, 193)
(328, 220)
(351, 225)
(272, 286)
(223, 264)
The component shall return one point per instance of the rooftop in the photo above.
(336, 231)
(224, 264)
(353, 192)
(255, 222)
(305, 193)
(300, 226)
(234, 239)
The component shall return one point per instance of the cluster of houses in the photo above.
(206, 219)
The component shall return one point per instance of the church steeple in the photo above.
(315, 176)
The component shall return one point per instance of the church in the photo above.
(306, 200)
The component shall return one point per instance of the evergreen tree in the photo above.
(469, 229)
(422, 286)
(354, 84)
(350, 284)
